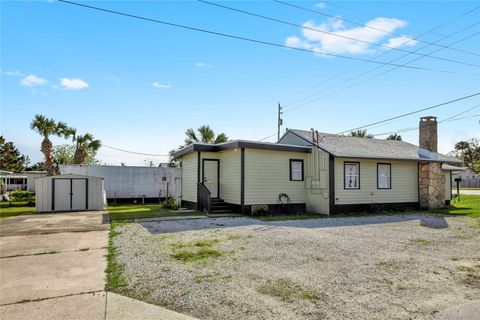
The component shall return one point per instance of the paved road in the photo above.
(52, 267)
(474, 192)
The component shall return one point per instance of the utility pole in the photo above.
(279, 121)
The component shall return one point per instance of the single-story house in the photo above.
(308, 171)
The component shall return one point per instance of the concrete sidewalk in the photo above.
(52, 267)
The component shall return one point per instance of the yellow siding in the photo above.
(189, 177)
(267, 175)
(448, 185)
(230, 176)
(404, 183)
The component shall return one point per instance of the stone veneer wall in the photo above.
(431, 185)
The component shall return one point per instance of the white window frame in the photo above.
(300, 161)
(389, 176)
(345, 175)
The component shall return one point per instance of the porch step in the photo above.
(218, 206)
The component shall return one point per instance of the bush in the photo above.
(22, 196)
(171, 203)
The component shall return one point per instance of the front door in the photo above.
(211, 175)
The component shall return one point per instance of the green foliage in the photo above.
(171, 203)
(7, 210)
(196, 255)
(64, 154)
(116, 280)
(22, 196)
(469, 152)
(395, 136)
(85, 147)
(206, 135)
(134, 211)
(10, 157)
(361, 134)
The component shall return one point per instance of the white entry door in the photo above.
(61, 194)
(210, 176)
(79, 194)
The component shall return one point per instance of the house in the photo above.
(308, 171)
(470, 178)
(132, 183)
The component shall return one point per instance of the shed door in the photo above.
(210, 176)
(79, 194)
(61, 194)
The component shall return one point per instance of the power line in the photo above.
(139, 153)
(382, 54)
(371, 70)
(330, 33)
(226, 35)
(374, 28)
(412, 112)
(416, 128)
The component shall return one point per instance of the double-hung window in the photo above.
(296, 170)
(384, 176)
(352, 175)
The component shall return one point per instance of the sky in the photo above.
(138, 85)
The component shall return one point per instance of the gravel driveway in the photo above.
(384, 267)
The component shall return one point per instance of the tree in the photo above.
(10, 158)
(461, 147)
(206, 135)
(47, 127)
(172, 161)
(35, 167)
(65, 154)
(469, 152)
(395, 136)
(85, 147)
(360, 134)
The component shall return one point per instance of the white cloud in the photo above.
(15, 73)
(329, 43)
(73, 84)
(203, 65)
(161, 86)
(32, 80)
(400, 42)
(321, 5)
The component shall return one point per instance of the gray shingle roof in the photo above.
(355, 147)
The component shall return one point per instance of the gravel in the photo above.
(378, 267)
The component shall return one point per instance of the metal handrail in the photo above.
(204, 198)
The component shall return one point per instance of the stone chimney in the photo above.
(428, 135)
(431, 178)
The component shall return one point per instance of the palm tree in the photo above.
(360, 134)
(462, 146)
(85, 146)
(206, 135)
(395, 136)
(47, 127)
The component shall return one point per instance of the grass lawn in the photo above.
(142, 211)
(7, 211)
(469, 205)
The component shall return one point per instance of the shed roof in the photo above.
(370, 148)
(203, 147)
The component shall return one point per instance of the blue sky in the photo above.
(138, 85)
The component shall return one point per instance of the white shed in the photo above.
(69, 192)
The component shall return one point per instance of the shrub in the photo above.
(22, 196)
(171, 203)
